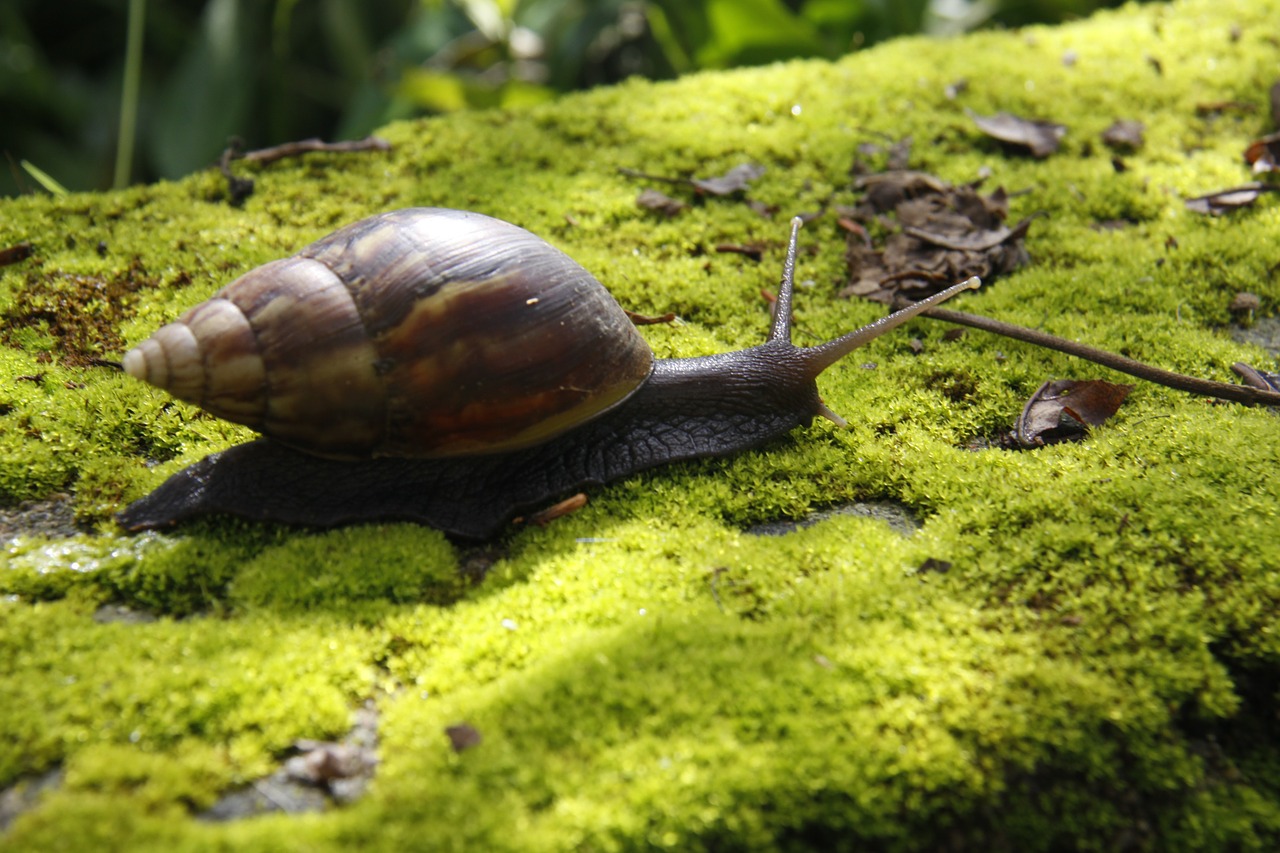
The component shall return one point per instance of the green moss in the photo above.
(374, 564)
(1097, 668)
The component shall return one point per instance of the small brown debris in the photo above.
(947, 234)
(754, 251)
(854, 228)
(15, 254)
(660, 202)
(933, 564)
(1275, 104)
(462, 736)
(1064, 409)
(899, 155)
(735, 180)
(1041, 138)
(646, 320)
(545, 516)
(1124, 134)
(1245, 301)
(1264, 154)
(1225, 201)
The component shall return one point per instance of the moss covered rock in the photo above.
(1079, 647)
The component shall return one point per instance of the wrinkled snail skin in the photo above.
(680, 409)
(677, 415)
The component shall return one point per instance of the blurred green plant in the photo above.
(89, 107)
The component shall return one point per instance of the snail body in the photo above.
(452, 369)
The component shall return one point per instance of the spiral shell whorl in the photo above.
(419, 332)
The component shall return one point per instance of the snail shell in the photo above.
(419, 332)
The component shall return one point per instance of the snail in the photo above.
(452, 369)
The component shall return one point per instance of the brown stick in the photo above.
(306, 146)
(1207, 387)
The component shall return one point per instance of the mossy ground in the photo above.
(1099, 667)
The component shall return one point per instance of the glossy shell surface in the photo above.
(419, 332)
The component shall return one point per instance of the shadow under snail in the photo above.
(452, 369)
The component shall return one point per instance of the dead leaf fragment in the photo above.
(1264, 154)
(1245, 301)
(946, 234)
(651, 199)
(1225, 201)
(732, 181)
(462, 736)
(15, 253)
(1041, 138)
(1063, 409)
(1124, 134)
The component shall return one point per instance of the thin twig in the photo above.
(1207, 387)
(306, 146)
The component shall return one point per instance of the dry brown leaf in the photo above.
(1124, 134)
(1225, 201)
(1041, 138)
(462, 736)
(1264, 154)
(15, 253)
(946, 234)
(1063, 409)
(651, 199)
(735, 180)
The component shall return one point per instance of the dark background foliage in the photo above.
(270, 72)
